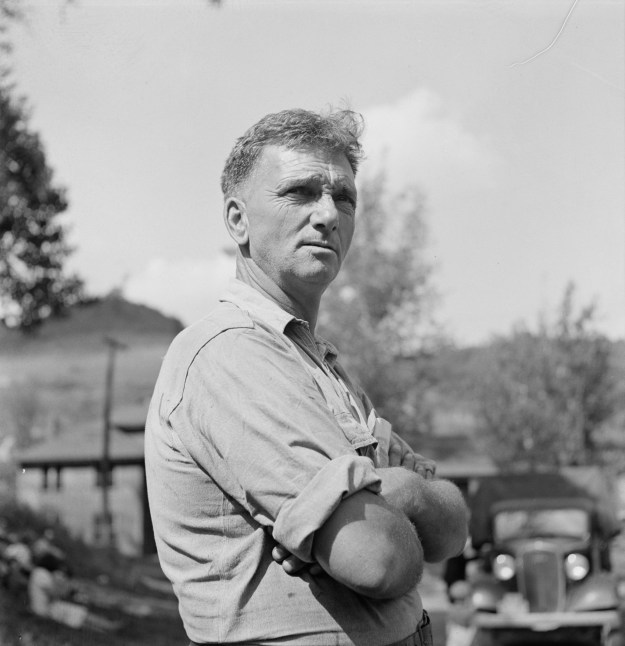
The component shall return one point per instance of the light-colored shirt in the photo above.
(254, 436)
(41, 591)
(45, 592)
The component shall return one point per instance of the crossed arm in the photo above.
(377, 544)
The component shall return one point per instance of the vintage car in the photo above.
(542, 567)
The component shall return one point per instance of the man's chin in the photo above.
(319, 277)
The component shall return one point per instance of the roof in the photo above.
(463, 470)
(589, 482)
(84, 446)
(83, 450)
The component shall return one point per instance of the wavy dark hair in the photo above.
(334, 131)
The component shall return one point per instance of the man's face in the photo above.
(300, 206)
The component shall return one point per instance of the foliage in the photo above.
(546, 395)
(33, 248)
(11, 12)
(379, 310)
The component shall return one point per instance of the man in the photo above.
(285, 511)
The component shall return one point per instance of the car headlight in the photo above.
(504, 567)
(576, 566)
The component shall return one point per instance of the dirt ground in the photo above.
(145, 620)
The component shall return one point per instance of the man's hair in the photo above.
(296, 129)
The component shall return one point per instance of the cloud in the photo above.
(187, 289)
(418, 142)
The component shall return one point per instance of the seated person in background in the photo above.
(18, 562)
(45, 544)
(49, 591)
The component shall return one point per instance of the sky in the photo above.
(508, 115)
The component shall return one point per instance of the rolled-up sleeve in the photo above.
(252, 417)
(302, 516)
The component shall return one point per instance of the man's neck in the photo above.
(306, 309)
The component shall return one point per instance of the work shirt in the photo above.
(254, 436)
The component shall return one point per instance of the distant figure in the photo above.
(456, 567)
(285, 509)
(18, 562)
(45, 544)
(49, 594)
(19, 551)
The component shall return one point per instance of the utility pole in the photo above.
(106, 520)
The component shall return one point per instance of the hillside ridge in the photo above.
(87, 324)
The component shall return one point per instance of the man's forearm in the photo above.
(435, 507)
(368, 546)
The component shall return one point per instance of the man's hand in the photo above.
(291, 564)
(401, 455)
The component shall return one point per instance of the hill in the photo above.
(87, 324)
(53, 381)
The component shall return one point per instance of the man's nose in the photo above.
(325, 214)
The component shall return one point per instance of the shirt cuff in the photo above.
(299, 518)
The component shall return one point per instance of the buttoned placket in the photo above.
(311, 347)
(304, 341)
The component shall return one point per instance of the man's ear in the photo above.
(235, 217)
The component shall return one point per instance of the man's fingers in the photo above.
(291, 564)
(412, 461)
(426, 471)
(395, 455)
(315, 569)
(424, 466)
(279, 553)
(401, 455)
(409, 462)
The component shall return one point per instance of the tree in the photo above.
(546, 395)
(379, 310)
(11, 11)
(33, 247)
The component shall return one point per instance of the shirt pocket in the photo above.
(359, 437)
(381, 430)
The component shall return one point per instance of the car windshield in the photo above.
(541, 523)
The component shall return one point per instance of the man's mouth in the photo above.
(320, 244)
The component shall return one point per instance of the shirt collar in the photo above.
(328, 350)
(252, 301)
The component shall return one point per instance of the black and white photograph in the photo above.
(312, 322)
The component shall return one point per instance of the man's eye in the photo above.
(344, 197)
(299, 190)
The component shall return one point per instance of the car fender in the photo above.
(598, 592)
